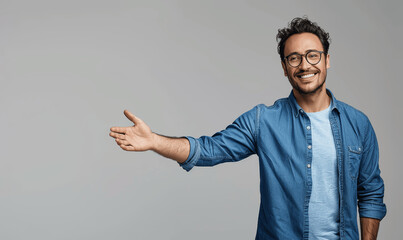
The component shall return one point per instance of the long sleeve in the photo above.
(235, 143)
(370, 187)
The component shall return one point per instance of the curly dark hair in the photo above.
(301, 25)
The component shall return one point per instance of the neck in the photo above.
(314, 102)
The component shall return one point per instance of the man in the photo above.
(318, 157)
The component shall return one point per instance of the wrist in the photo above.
(155, 140)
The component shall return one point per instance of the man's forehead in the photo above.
(301, 43)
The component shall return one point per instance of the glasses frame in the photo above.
(306, 58)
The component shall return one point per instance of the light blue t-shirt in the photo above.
(324, 202)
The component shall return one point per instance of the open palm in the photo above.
(138, 137)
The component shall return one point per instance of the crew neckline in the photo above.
(320, 112)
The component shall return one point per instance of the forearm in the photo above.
(369, 228)
(174, 148)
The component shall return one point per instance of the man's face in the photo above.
(306, 78)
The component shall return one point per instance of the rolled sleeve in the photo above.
(372, 210)
(193, 154)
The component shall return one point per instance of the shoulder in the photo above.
(279, 107)
(262, 109)
(355, 118)
(351, 113)
(279, 104)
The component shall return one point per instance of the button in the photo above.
(309, 165)
(359, 149)
(301, 111)
(309, 147)
(308, 127)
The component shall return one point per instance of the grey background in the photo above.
(70, 68)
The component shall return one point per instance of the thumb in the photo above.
(131, 117)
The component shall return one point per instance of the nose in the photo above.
(304, 64)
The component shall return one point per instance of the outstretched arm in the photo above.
(139, 137)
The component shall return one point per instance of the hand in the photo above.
(136, 138)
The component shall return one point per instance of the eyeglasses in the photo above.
(313, 57)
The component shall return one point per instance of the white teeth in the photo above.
(307, 76)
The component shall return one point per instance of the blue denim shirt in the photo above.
(280, 135)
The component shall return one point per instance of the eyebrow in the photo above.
(300, 53)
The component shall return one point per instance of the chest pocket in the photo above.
(354, 157)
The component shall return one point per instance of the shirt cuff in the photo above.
(372, 210)
(193, 154)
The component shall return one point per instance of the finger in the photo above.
(127, 148)
(122, 142)
(117, 135)
(119, 129)
(122, 145)
(131, 117)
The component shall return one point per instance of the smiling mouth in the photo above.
(306, 75)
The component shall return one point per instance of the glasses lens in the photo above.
(313, 57)
(294, 60)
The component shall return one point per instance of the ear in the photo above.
(284, 68)
(327, 61)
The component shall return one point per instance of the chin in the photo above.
(309, 90)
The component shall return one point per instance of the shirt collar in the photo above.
(297, 109)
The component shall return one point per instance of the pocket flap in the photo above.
(355, 149)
